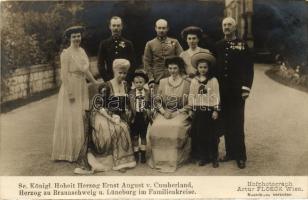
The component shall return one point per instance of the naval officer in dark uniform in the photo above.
(235, 75)
(114, 47)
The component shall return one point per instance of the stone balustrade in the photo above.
(24, 82)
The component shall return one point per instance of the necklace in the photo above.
(175, 84)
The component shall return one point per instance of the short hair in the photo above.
(231, 19)
(142, 74)
(115, 17)
(162, 20)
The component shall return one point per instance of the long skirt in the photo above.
(169, 142)
(111, 146)
(68, 135)
(204, 136)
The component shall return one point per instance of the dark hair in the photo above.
(192, 30)
(142, 74)
(177, 61)
(73, 29)
(68, 32)
(210, 72)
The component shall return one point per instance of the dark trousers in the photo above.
(139, 129)
(204, 136)
(233, 109)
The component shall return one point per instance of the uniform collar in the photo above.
(231, 40)
(161, 38)
(116, 37)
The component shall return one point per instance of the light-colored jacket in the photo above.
(155, 52)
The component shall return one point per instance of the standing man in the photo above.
(157, 50)
(235, 75)
(115, 47)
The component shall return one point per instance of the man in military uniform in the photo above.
(114, 47)
(234, 71)
(156, 50)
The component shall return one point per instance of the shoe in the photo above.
(143, 158)
(241, 164)
(202, 163)
(83, 171)
(136, 154)
(215, 164)
(225, 159)
(123, 170)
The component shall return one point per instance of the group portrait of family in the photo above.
(171, 111)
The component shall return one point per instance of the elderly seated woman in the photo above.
(109, 145)
(168, 135)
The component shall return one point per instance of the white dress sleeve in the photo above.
(65, 62)
(85, 64)
(215, 91)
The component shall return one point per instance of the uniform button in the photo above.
(226, 54)
(116, 52)
(226, 61)
(116, 47)
(226, 75)
(226, 68)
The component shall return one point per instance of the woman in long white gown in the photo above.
(73, 99)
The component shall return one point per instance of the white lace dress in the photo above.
(69, 125)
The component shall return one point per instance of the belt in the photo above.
(77, 73)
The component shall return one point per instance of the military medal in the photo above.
(122, 44)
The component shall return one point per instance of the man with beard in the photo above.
(156, 50)
(234, 71)
(115, 47)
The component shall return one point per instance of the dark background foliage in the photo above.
(32, 32)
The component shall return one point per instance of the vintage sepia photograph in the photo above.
(156, 89)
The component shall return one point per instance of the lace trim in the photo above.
(175, 86)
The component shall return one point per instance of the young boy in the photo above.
(140, 107)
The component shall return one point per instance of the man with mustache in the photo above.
(115, 47)
(156, 50)
(234, 71)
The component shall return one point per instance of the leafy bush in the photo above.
(32, 36)
(18, 48)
